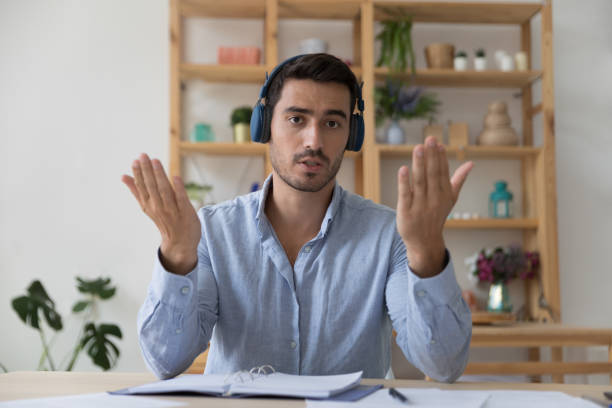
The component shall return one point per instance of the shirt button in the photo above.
(178, 331)
(293, 344)
(421, 293)
(185, 290)
(307, 249)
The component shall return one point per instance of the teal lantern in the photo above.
(500, 201)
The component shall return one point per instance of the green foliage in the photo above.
(197, 191)
(241, 114)
(37, 300)
(480, 53)
(396, 51)
(98, 287)
(103, 352)
(461, 54)
(395, 101)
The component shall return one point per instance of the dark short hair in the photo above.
(318, 67)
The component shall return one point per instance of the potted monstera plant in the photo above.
(37, 310)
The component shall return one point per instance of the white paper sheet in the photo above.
(437, 398)
(98, 400)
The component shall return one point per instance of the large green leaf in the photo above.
(37, 299)
(102, 351)
(98, 287)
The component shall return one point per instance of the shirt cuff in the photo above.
(442, 288)
(172, 289)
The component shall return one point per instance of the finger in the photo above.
(404, 190)
(149, 179)
(182, 199)
(129, 182)
(165, 189)
(419, 186)
(444, 172)
(459, 178)
(139, 182)
(432, 166)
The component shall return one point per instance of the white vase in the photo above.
(460, 63)
(395, 133)
(480, 63)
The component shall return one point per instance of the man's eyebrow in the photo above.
(328, 112)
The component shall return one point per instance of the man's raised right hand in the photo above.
(170, 209)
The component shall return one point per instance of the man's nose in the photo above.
(313, 137)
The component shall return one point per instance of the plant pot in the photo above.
(242, 133)
(506, 63)
(395, 133)
(499, 298)
(440, 56)
(480, 63)
(460, 63)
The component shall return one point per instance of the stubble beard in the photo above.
(311, 185)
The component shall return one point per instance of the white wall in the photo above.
(84, 90)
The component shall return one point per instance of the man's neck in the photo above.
(291, 210)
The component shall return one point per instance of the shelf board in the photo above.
(224, 149)
(467, 152)
(319, 9)
(224, 73)
(493, 223)
(470, 78)
(223, 8)
(447, 12)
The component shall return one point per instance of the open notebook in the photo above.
(248, 384)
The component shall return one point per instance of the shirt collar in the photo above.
(329, 214)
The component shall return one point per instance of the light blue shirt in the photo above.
(332, 312)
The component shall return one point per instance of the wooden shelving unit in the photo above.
(539, 225)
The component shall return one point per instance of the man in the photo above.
(303, 275)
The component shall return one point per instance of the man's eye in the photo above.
(295, 120)
(332, 124)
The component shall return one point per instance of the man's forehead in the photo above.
(325, 95)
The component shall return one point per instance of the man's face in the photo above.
(310, 129)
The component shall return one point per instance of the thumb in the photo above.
(404, 189)
(459, 177)
(182, 199)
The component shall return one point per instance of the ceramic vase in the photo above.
(499, 298)
(497, 130)
(395, 133)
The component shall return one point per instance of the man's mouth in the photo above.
(311, 164)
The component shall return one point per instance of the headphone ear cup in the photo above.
(267, 119)
(357, 133)
(257, 123)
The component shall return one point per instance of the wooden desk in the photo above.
(34, 384)
(534, 336)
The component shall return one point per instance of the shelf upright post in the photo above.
(271, 54)
(357, 40)
(176, 40)
(546, 178)
(371, 157)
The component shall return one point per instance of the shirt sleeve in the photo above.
(432, 321)
(176, 320)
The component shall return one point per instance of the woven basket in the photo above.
(440, 55)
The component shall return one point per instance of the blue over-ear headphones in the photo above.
(262, 115)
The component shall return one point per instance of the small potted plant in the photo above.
(460, 62)
(480, 62)
(395, 101)
(241, 119)
(498, 267)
